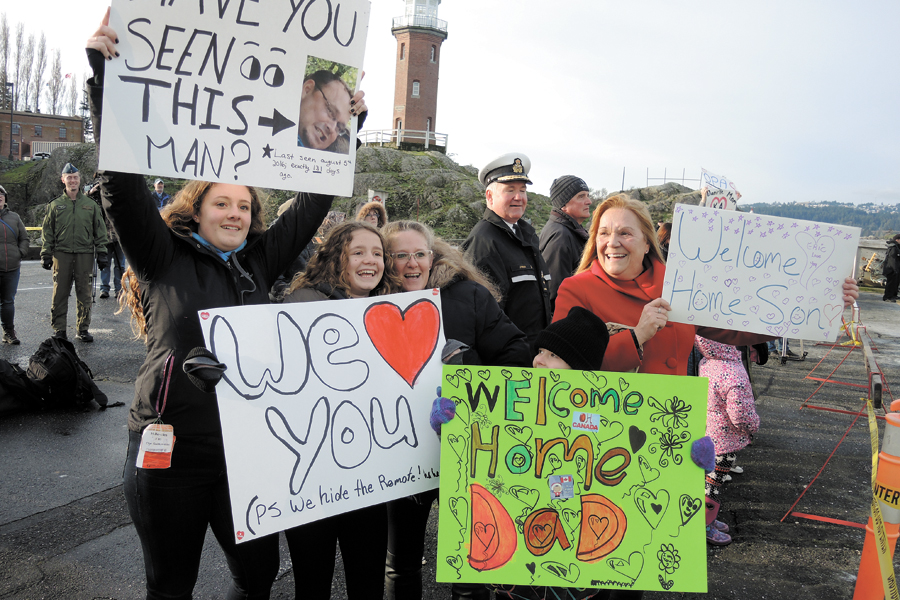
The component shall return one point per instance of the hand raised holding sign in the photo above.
(654, 317)
(851, 291)
(104, 39)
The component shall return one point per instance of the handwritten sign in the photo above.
(720, 192)
(325, 405)
(767, 275)
(572, 479)
(235, 91)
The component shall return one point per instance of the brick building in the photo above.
(49, 131)
(419, 36)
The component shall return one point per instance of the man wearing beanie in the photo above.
(505, 246)
(563, 237)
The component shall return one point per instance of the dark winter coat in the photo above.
(513, 262)
(472, 316)
(179, 277)
(892, 258)
(562, 240)
(320, 291)
(14, 240)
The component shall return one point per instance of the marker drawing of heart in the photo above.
(406, 340)
(204, 315)
(651, 506)
(833, 311)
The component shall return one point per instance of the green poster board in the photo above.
(572, 479)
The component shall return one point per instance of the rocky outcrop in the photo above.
(427, 186)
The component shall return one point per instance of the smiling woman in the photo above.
(471, 317)
(620, 280)
(209, 248)
(350, 263)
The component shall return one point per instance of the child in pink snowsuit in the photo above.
(731, 417)
(731, 420)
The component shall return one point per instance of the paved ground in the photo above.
(65, 532)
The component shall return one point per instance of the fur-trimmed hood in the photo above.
(370, 206)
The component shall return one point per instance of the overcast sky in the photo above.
(791, 100)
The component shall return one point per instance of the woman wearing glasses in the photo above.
(373, 213)
(471, 316)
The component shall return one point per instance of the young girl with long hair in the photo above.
(350, 263)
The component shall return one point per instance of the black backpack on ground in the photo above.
(61, 379)
(17, 393)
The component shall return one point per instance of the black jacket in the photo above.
(891, 258)
(514, 263)
(472, 316)
(562, 240)
(179, 277)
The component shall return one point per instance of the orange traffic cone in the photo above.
(887, 490)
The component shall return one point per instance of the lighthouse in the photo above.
(419, 34)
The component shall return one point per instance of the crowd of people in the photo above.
(587, 299)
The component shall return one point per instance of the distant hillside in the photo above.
(425, 186)
(873, 219)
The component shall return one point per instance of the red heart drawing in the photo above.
(406, 340)
(240, 535)
(204, 315)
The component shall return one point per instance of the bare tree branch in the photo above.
(55, 84)
(20, 49)
(25, 78)
(40, 65)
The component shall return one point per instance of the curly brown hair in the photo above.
(179, 216)
(329, 264)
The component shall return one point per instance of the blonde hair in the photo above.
(448, 263)
(639, 209)
(179, 217)
(329, 263)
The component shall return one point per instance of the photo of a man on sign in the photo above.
(325, 109)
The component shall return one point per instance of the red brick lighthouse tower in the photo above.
(419, 35)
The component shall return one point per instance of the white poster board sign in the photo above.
(720, 192)
(235, 91)
(756, 273)
(325, 405)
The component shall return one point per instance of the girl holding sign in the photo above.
(209, 248)
(472, 317)
(350, 263)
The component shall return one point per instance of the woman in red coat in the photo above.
(620, 279)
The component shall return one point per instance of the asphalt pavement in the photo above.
(65, 530)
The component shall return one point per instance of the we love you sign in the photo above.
(325, 405)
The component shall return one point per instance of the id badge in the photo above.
(157, 443)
